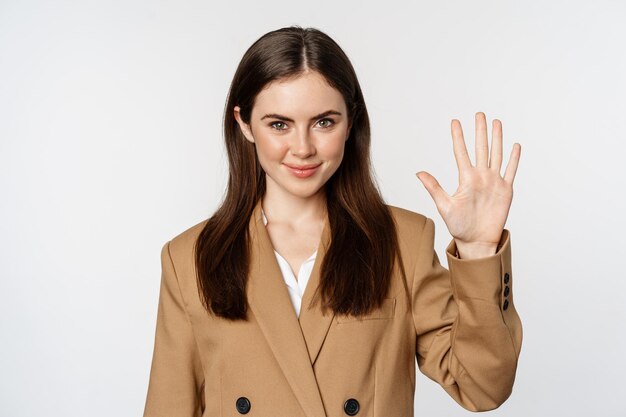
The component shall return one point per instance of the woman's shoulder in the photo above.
(406, 219)
(410, 227)
(183, 243)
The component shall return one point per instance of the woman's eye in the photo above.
(329, 123)
(277, 123)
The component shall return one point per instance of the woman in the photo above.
(239, 332)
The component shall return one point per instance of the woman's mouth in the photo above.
(303, 171)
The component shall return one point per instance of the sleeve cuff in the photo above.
(481, 278)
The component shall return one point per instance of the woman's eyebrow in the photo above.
(287, 119)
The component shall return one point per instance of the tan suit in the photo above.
(460, 324)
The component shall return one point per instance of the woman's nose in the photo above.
(302, 145)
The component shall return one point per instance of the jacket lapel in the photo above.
(314, 324)
(295, 343)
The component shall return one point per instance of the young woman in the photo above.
(305, 294)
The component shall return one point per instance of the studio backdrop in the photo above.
(111, 144)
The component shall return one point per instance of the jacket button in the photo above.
(351, 407)
(505, 305)
(506, 291)
(242, 405)
(506, 278)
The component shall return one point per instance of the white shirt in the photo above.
(295, 287)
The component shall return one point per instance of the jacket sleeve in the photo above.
(469, 334)
(176, 377)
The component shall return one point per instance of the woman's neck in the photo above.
(289, 209)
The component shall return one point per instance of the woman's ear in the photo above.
(245, 128)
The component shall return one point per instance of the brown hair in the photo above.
(361, 225)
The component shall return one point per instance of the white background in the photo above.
(111, 144)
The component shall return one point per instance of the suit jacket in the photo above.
(460, 324)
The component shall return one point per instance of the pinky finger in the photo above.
(511, 167)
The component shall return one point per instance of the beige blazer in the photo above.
(460, 324)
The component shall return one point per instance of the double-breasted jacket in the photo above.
(459, 325)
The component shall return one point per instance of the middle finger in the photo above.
(482, 146)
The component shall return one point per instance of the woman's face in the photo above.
(298, 123)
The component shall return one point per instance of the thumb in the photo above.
(432, 186)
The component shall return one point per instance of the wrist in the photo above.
(474, 250)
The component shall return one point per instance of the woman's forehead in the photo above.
(300, 97)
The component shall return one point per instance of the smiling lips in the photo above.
(303, 171)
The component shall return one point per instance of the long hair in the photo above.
(356, 271)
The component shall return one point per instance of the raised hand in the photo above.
(476, 213)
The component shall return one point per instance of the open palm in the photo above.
(477, 211)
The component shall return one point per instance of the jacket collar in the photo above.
(295, 341)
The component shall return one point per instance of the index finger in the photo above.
(458, 144)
